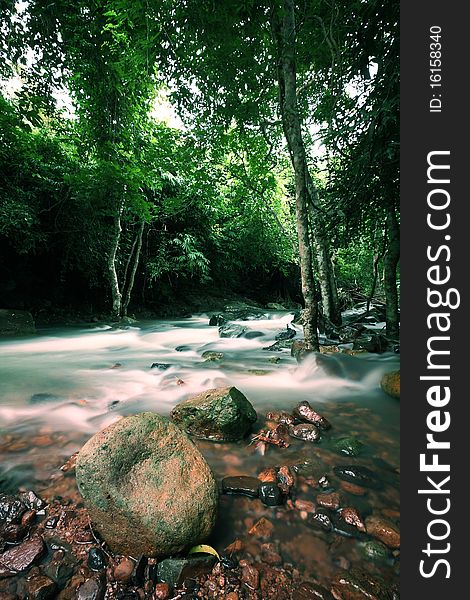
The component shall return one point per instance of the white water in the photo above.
(78, 370)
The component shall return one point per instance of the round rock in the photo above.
(219, 415)
(147, 487)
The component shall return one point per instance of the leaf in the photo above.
(204, 549)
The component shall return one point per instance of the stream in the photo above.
(61, 386)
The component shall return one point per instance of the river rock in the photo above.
(305, 412)
(312, 591)
(357, 585)
(41, 588)
(173, 571)
(270, 494)
(16, 322)
(305, 431)
(375, 551)
(20, 558)
(92, 589)
(359, 475)
(11, 509)
(216, 320)
(220, 415)
(391, 384)
(299, 350)
(147, 487)
(383, 530)
(347, 445)
(231, 330)
(210, 355)
(288, 334)
(240, 485)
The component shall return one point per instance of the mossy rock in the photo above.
(220, 415)
(391, 384)
(147, 487)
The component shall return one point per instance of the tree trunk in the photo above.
(112, 273)
(392, 256)
(130, 284)
(283, 30)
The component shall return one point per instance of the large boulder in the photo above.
(220, 415)
(16, 322)
(391, 384)
(147, 487)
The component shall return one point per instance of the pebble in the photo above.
(348, 445)
(280, 416)
(322, 519)
(375, 551)
(305, 505)
(352, 516)
(92, 589)
(311, 591)
(11, 509)
(250, 576)
(241, 485)
(285, 479)
(332, 500)
(270, 494)
(96, 559)
(305, 431)
(124, 569)
(383, 530)
(41, 588)
(268, 475)
(352, 488)
(359, 475)
(262, 528)
(84, 537)
(305, 412)
(162, 591)
(23, 556)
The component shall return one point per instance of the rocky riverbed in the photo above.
(312, 515)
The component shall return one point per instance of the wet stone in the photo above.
(280, 417)
(342, 527)
(375, 551)
(241, 486)
(359, 475)
(160, 366)
(285, 479)
(11, 509)
(268, 475)
(383, 530)
(92, 589)
(305, 412)
(349, 446)
(23, 556)
(351, 515)
(96, 559)
(332, 500)
(312, 591)
(162, 591)
(51, 522)
(270, 494)
(305, 432)
(174, 571)
(41, 588)
(123, 570)
(321, 520)
(211, 356)
(262, 528)
(355, 585)
(61, 568)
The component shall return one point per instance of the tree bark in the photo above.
(392, 256)
(284, 36)
(130, 284)
(116, 296)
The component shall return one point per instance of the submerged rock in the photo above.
(288, 334)
(270, 494)
(347, 445)
(383, 530)
(23, 556)
(147, 487)
(221, 415)
(359, 475)
(391, 384)
(210, 355)
(241, 485)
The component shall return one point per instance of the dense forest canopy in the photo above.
(278, 180)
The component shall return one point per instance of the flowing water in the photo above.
(62, 385)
